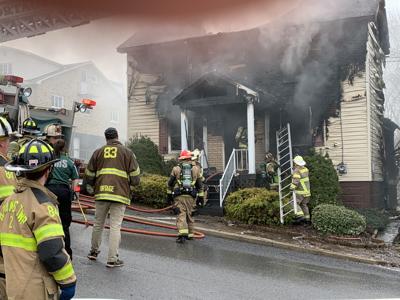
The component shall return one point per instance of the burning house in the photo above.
(320, 72)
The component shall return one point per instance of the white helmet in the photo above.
(5, 127)
(298, 160)
(54, 130)
(196, 154)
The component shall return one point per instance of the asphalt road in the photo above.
(215, 268)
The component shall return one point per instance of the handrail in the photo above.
(237, 161)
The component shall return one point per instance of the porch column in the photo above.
(184, 129)
(205, 145)
(251, 137)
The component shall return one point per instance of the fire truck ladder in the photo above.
(287, 198)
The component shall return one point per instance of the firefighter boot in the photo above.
(181, 239)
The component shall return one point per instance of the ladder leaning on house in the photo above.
(287, 198)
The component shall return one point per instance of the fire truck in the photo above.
(14, 101)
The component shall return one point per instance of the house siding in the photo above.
(143, 119)
(353, 123)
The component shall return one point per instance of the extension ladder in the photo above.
(287, 198)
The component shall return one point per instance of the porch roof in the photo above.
(214, 89)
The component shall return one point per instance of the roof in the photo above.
(61, 70)
(30, 54)
(161, 34)
(316, 11)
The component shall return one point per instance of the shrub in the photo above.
(254, 206)
(375, 218)
(151, 191)
(149, 159)
(334, 219)
(324, 180)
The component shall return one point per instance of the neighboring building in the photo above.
(59, 86)
(324, 77)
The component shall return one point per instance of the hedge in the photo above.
(339, 220)
(147, 154)
(324, 181)
(254, 206)
(376, 219)
(151, 191)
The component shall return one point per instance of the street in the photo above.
(215, 268)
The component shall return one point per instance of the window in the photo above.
(57, 101)
(115, 117)
(5, 69)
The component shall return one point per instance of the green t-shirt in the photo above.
(64, 171)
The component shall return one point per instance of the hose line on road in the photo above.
(87, 202)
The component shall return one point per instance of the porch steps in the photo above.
(212, 208)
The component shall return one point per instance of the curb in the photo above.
(278, 244)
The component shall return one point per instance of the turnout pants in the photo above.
(117, 211)
(64, 197)
(185, 221)
(302, 202)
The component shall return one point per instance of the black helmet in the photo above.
(30, 126)
(34, 156)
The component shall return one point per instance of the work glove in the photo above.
(200, 201)
(170, 199)
(67, 293)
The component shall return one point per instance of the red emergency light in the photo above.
(88, 103)
(13, 79)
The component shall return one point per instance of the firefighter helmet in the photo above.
(34, 156)
(185, 154)
(54, 130)
(298, 160)
(269, 156)
(196, 154)
(5, 127)
(30, 126)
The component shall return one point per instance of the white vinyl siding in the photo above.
(354, 140)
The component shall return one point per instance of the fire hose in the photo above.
(87, 202)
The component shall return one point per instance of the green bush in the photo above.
(151, 191)
(375, 218)
(334, 219)
(149, 159)
(324, 180)
(254, 206)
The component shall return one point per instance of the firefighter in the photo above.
(301, 186)
(30, 130)
(7, 184)
(53, 132)
(31, 234)
(196, 160)
(269, 171)
(111, 174)
(184, 185)
(241, 137)
(61, 182)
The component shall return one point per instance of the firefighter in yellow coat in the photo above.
(31, 235)
(184, 185)
(7, 184)
(301, 186)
